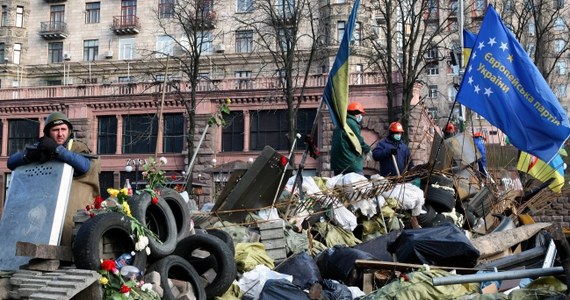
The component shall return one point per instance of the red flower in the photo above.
(154, 200)
(108, 265)
(173, 177)
(91, 215)
(125, 289)
(88, 207)
(97, 202)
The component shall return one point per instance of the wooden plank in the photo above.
(497, 242)
(388, 265)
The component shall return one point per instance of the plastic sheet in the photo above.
(303, 268)
(338, 263)
(443, 245)
(281, 289)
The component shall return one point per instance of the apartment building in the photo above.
(108, 65)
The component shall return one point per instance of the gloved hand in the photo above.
(47, 144)
(394, 151)
(32, 154)
(36, 155)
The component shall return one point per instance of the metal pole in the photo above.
(191, 164)
(297, 136)
(497, 276)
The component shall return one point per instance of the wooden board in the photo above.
(388, 265)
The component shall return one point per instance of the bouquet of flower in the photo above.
(123, 285)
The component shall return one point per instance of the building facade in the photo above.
(106, 64)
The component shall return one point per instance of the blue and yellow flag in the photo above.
(469, 39)
(543, 171)
(503, 85)
(336, 91)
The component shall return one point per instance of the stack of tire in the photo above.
(210, 271)
(439, 199)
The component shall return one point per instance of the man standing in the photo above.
(392, 153)
(478, 140)
(56, 143)
(344, 158)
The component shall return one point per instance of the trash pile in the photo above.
(429, 236)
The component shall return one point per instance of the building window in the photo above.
(55, 52)
(243, 80)
(128, 8)
(173, 139)
(283, 39)
(270, 127)
(127, 48)
(561, 90)
(559, 24)
(90, 50)
(92, 12)
(480, 5)
(244, 6)
(107, 135)
(4, 15)
(432, 69)
(357, 34)
(562, 67)
(139, 133)
(559, 45)
(57, 16)
(432, 53)
(359, 68)
(244, 41)
(340, 29)
(126, 79)
(205, 42)
(3, 53)
(166, 9)
(17, 53)
(20, 16)
(530, 49)
(233, 132)
(432, 91)
(22, 132)
(164, 46)
(285, 9)
(559, 4)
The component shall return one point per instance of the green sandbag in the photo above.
(249, 255)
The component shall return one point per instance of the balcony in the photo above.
(53, 30)
(204, 86)
(126, 25)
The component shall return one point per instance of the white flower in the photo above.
(147, 250)
(144, 240)
(139, 246)
(163, 160)
(146, 287)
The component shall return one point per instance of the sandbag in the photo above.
(338, 263)
(281, 289)
(443, 245)
(303, 269)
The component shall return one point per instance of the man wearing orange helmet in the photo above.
(344, 158)
(449, 130)
(392, 153)
(478, 140)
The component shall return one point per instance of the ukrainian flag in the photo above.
(469, 39)
(543, 171)
(335, 94)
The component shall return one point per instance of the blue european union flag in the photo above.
(504, 86)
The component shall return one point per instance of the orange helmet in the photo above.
(449, 128)
(478, 134)
(356, 106)
(396, 127)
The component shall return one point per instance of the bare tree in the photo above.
(189, 26)
(541, 26)
(411, 37)
(285, 34)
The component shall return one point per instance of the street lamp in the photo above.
(129, 167)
